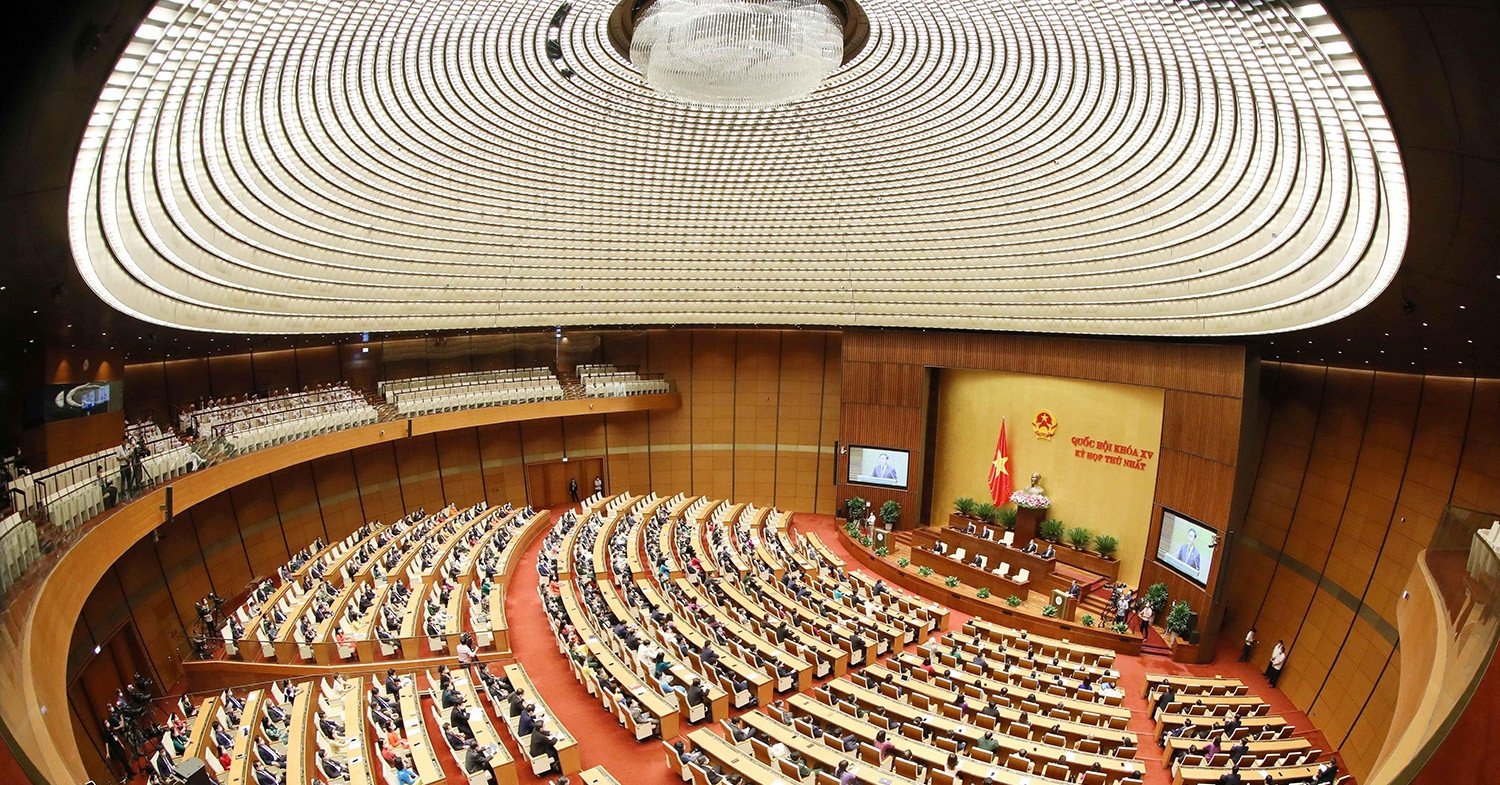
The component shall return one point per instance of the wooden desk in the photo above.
(598, 775)
(1060, 647)
(1248, 725)
(501, 763)
(1256, 748)
(666, 714)
(718, 699)
(423, 755)
(356, 735)
(729, 756)
(821, 755)
(1204, 775)
(1192, 685)
(1111, 739)
(1040, 752)
(768, 651)
(299, 741)
(928, 755)
(968, 574)
(1043, 570)
(201, 727)
(238, 770)
(567, 745)
(1117, 716)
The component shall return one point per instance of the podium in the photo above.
(1065, 604)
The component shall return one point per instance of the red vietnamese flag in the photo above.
(1000, 485)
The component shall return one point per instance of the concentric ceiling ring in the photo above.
(1159, 168)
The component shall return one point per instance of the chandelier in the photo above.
(737, 53)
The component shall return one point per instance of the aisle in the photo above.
(601, 740)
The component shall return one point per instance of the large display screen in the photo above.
(65, 401)
(878, 466)
(1186, 546)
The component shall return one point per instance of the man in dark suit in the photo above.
(696, 695)
(542, 745)
(1232, 777)
(459, 719)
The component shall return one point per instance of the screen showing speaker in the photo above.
(878, 466)
(1186, 546)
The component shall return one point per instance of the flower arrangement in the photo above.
(1013, 601)
(1088, 620)
(903, 562)
(983, 593)
(1030, 501)
(1050, 611)
(951, 581)
(882, 551)
(1121, 627)
(924, 571)
(866, 541)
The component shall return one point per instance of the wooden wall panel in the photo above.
(254, 506)
(317, 365)
(670, 352)
(500, 453)
(713, 414)
(1191, 424)
(1391, 451)
(379, 488)
(361, 369)
(275, 370)
(151, 612)
(177, 552)
(230, 374)
(421, 484)
(146, 393)
(628, 442)
(296, 495)
(458, 460)
(219, 537)
(187, 381)
(339, 501)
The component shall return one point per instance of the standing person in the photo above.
(573, 489)
(1278, 661)
(1249, 644)
(598, 486)
(1146, 614)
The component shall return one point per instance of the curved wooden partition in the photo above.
(37, 658)
(992, 609)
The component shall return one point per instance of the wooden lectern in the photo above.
(1065, 604)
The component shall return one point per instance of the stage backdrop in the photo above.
(1098, 466)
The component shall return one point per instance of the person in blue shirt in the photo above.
(405, 775)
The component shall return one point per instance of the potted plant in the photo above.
(1121, 627)
(1177, 620)
(924, 571)
(882, 551)
(1080, 538)
(1006, 516)
(983, 593)
(1106, 546)
(903, 562)
(1088, 619)
(857, 508)
(1013, 601)
(1051, 530)
(1157, 597)
(866, 541)
(951, 581)
(986, 512)
(965, 506)
(890, 513)
(1050, 611)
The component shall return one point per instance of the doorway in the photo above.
(547, 483)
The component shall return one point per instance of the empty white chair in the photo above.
(1009, 539)
(1003, 570)
(1023, 576)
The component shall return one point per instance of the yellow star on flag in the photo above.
(999, 464)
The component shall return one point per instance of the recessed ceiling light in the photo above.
(1471, 340)
(1424, 324)
(1463, 307)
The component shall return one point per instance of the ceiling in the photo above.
(1432, 64)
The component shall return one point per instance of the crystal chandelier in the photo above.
(738, 53)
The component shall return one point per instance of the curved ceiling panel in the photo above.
(1090, 166)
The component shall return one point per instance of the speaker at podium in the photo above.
(1065, 604)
